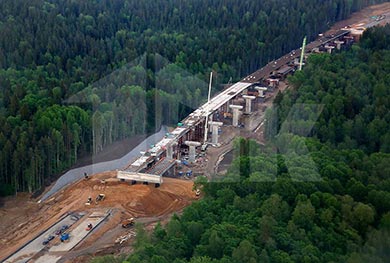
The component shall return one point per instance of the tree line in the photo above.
(55, 50)
(269, 208)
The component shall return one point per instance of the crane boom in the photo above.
(302, 53)
(207, 110)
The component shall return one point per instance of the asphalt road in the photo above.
(32, 248)
(266, 71)
(78, 234)
(78, 173)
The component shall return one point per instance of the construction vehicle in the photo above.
(89, 227)
(47, 240)
(64, 237)
(128, 223)
(100, 197)
(61, 230)
(89, 201)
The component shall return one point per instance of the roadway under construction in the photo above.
(26, 224)
(226, 108)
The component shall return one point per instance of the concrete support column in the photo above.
(274, 83)
(261, 93)
(248, 103)
(192, 152)
(329, 48)
(338, 44)
(170, 150)
(215, 125)
(236, 113)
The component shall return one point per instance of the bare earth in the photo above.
(362, 16)
(21, 218)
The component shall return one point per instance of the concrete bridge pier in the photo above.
(329, 48)
(215, 125)
(192, 152)
(236, 113)
(261, 93)
(248, 103)
(338, 44)
(273, 83)
(170, 150)
(210, 119)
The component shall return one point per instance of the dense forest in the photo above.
(77, 75)
(256, 215)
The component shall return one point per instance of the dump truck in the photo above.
(128, 223)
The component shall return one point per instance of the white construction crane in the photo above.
(207, 110)
(302, 53)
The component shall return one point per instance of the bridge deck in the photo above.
(161, 167)
(132, 172)
(139, 177)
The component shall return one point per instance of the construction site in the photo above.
(239, 108)
(96, 215)
(72, 207)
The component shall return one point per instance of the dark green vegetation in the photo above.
(268, 214)
(51, 50)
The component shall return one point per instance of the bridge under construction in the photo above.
(226, 108)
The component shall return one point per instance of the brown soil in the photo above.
(22, 219)
(362, 16)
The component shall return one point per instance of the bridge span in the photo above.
(227, 108)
